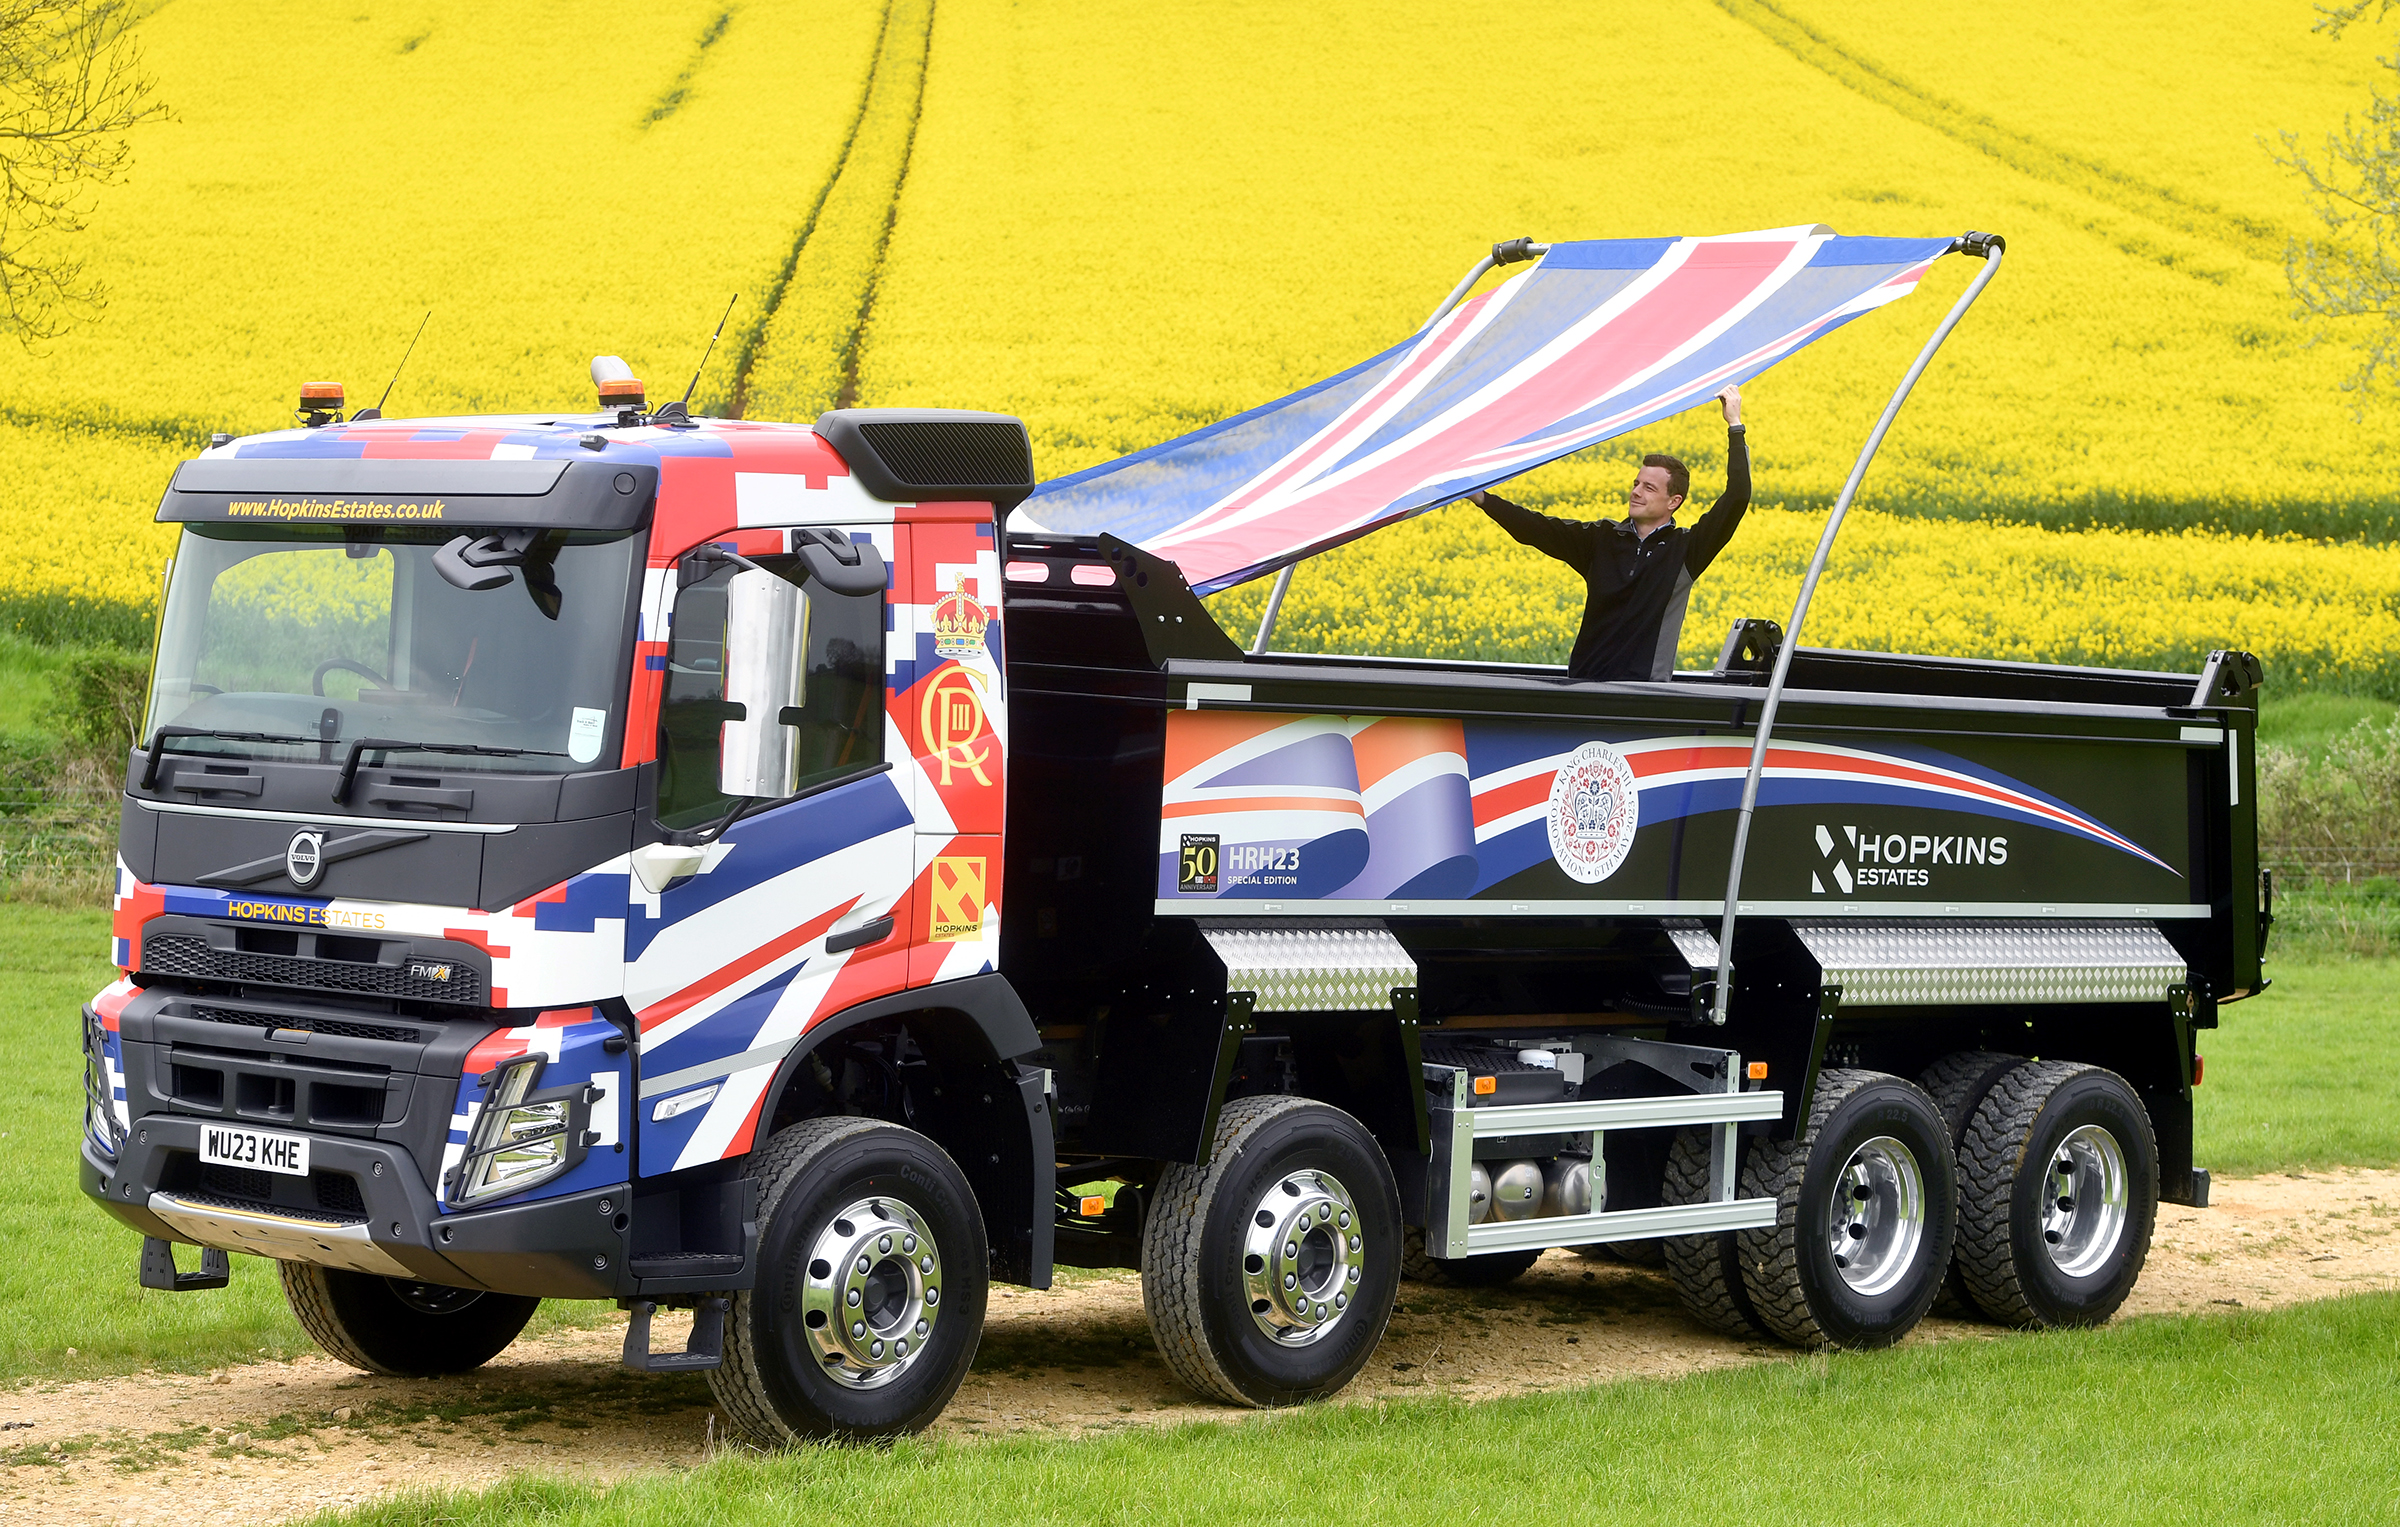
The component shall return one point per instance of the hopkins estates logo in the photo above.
(1864, 857)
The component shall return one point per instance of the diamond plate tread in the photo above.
(1313, 969)
(1880, 965)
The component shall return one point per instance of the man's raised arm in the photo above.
(1715, 528)
(1566, 540)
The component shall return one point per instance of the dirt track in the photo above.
(274, 1440)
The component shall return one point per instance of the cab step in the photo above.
(158, 1268)
(705, 1349)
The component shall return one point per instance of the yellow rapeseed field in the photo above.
(1452, 584)
(1124, 221)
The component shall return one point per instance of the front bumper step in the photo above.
(280, 1234)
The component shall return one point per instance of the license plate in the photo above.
(255, 1148)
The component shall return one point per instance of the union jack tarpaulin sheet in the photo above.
(1599, 338)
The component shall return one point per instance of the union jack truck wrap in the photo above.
(715, 864)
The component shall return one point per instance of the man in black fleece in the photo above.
(1638, 571)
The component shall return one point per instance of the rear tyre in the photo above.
(872, 1280)
(1866, 1210)
(2059, 1195)
(1269, 1273)
(1706, 1269)
(400, 1327)
(1490, 1270)
(1958, 1084)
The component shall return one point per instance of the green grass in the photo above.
(2309, 721)
(2243, 1417)
(68, 1276)
(2300, 1078)
(26, 673)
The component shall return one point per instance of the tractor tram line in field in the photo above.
(270, 1440)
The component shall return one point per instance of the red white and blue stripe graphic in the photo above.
(1598, 339)
(1686, 776)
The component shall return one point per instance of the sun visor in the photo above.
(569, 495)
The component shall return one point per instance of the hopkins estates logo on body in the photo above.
(1863, 857)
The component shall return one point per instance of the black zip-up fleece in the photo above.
(1636, 589)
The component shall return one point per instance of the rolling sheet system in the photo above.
(1599, 338)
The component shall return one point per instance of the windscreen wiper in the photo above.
(341, 786)
(158, 743)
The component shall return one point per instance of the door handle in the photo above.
(865, 933)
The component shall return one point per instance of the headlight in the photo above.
(522, 1138)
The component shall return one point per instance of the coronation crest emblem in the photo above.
(1595, 806)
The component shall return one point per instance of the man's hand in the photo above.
(1731, 397)
(1476, 498)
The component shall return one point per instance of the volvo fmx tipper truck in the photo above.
(712, 864)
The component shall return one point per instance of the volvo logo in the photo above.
(304, 860)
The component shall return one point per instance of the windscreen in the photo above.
(331, 635)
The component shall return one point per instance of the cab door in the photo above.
(773, 760)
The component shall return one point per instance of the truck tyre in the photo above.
(400, 1327)
(1490, 1270)
(872, 1280)
(2060, 1193)
(1269, 1272)
(1958, 1083)
(1706, 1269)
(1866, 1209)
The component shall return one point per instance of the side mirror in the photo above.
(766, 650)
(841, 565)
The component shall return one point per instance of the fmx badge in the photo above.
(1196, 870)
(958, 621)
(955, 887)
(1595, 808)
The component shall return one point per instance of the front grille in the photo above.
(333, 1192)
(236, 1181)
(338, 1027)
(183, 954)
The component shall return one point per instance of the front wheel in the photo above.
(872, 1279)
(398, 1326)
(1866, 1210)
(1269, 1273)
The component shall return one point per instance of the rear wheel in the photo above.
(1866, 1210)
(1706, 1269)
(1269, 1273)
(1958, 1083)
(2060, 1195)
(872, 1279)
(401, 1327)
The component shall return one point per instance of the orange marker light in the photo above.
(1758, 1070)
(1094, 1205)
(621, 392)
(2199, 1064)
(1485, 1086)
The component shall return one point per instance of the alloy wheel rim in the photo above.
(1877, 1216)
(871, 1293)
(1303, 1257)
(2084, 1201)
